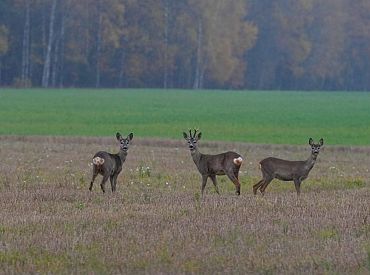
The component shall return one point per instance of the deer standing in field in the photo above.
(286, 170)
(211, 165)
(110, 165)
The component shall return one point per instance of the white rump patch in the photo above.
(98, 161)
(238, 161)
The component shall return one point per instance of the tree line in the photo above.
(223, 44)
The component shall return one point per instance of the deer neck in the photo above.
(310, 162)
(122, 155)
(196, 155)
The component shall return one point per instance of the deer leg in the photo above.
(102, 184)
(204, 182)
(264, 185)
(236, 182)
(236, 174)
(214, 180)
(297, 184)
(114, 183)
(111, 179)
(95, 174)
(258, 185)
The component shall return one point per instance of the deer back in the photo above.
(111, 162)
(216, 164)
(283, 169)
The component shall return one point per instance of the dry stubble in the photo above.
(156, 222)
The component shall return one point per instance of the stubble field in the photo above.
(157, 222)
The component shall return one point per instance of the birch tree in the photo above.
(98, 43)
(25, 74)
(46, 71)
(166, 14)
(4, 45)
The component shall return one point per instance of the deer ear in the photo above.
(310, 141)
(199, 136)
(118, 136)
(185, 135)
(321, 142)
(130, 136)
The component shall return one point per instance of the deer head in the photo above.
(124, 142)
(192, 139)
(315, 148)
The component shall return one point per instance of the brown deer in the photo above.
(286, 170)
(110, 165)
(211, 165)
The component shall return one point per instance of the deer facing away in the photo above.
(286, 170)
(110, 165)
(211, 165)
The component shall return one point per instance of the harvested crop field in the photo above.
(157, 222)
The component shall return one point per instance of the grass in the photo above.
(247, 116)
(157, 222)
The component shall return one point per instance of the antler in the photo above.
(195, 132)
(193, 135)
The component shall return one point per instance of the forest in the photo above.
(191, 44)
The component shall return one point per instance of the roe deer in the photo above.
(211, 165)
(110, 165)
(286, 170)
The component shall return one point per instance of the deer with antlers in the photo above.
(210, 166)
